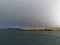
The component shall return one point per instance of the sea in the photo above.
(9, 37)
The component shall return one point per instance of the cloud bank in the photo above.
(30, 13)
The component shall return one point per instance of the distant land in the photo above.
(42, 29)
(33, 29)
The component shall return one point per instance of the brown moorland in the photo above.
(41, 29)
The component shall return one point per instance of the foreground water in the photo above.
(29, 37)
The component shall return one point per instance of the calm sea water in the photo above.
(29, 37)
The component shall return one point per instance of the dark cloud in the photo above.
(29, 13)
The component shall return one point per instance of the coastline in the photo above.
(41, 29)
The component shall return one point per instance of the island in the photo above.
(32, 29)
(40, 29)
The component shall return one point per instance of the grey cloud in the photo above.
(28, 13)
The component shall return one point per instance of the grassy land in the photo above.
(33, 29)
(41, 29)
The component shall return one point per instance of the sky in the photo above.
(29, 13)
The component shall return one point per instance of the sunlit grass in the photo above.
(41, 29)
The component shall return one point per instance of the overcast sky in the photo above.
(30, 13)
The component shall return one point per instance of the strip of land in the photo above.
(41, 29)
(33, 29)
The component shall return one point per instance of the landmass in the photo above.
(41, 29)
(33, 29)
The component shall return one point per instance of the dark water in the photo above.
(29, 37)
